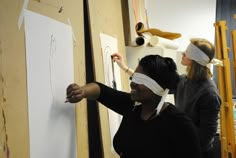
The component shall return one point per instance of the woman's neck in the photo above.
(148, 112)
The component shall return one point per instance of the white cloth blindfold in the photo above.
(151, 84)
(196, 54)
(148, 82)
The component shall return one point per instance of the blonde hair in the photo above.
(197, 71)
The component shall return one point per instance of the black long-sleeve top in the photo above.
(171, 134)
(201, 102)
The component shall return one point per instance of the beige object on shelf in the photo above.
(170, 44)
(144, 39)
(169, 35)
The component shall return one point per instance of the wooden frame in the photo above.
(105, 17)
(227, 136)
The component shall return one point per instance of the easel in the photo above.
(227, 136)
(233, 35)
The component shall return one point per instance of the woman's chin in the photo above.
(134, 97)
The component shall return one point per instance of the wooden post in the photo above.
(233, 35)
(225, 89)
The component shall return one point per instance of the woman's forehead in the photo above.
(139, 69)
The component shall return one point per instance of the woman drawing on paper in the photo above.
(150, 126)
(196, 93)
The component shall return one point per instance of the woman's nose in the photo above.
(133, 85)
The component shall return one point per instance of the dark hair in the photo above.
(161, 69)
(196, 71)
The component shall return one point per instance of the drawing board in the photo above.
(106, 17)
(112, 77)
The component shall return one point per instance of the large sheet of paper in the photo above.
(49, 53)
(112, 76)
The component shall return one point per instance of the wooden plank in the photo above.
(233, 35)
(106, 17)
(13, 83)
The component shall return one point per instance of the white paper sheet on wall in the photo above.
(112, 76)
(49, 53)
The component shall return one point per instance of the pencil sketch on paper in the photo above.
(51, 54)
(112, 77)
(50, 69)
(111, 71)
(109, 74)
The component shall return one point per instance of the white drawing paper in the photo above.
(49, 57)
(112, 74)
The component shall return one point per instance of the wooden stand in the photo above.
(227, 136)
